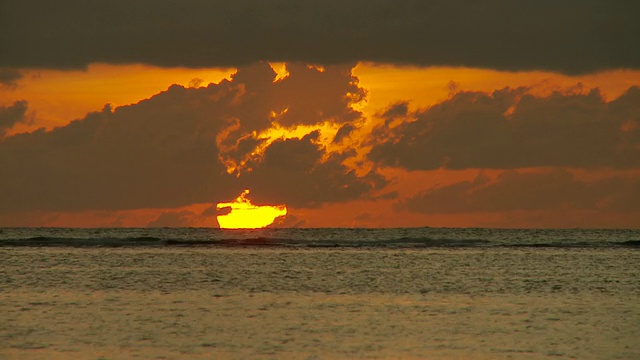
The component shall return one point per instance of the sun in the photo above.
(245, 215)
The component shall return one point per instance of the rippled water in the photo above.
(254, 301)
(304, 237)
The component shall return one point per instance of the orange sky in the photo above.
(56, 98)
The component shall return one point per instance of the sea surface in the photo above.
(414, 293)
(332, 237)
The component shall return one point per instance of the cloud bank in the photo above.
(574, 36)
(513, 190)
(200, 146)
(510, 129)
(170, 150)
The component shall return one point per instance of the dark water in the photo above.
(336, 237)
(419, 293)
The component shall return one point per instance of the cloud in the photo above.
(573, 36)
(514, 191)
(306, 97)
(9, 78)
(511, 128)
(287, 221)
(157, 153)
(343, 133)
(300, 173)
(183, 218)
(11, 115)
(166, 151)
(213, 211)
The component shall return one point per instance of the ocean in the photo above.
(411, 293)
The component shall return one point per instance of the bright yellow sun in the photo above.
(245, 215)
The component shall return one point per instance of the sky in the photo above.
(356, 113)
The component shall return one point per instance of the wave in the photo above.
(401, 242)
(47, 241)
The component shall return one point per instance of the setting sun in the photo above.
(245, 215)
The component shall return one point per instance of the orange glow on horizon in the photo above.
(245, 215)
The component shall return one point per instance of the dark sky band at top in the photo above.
(572, 37)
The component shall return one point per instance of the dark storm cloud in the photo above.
(572, 36)
(512, 129)
(512, 191)
(163, 152)
(11, 115)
